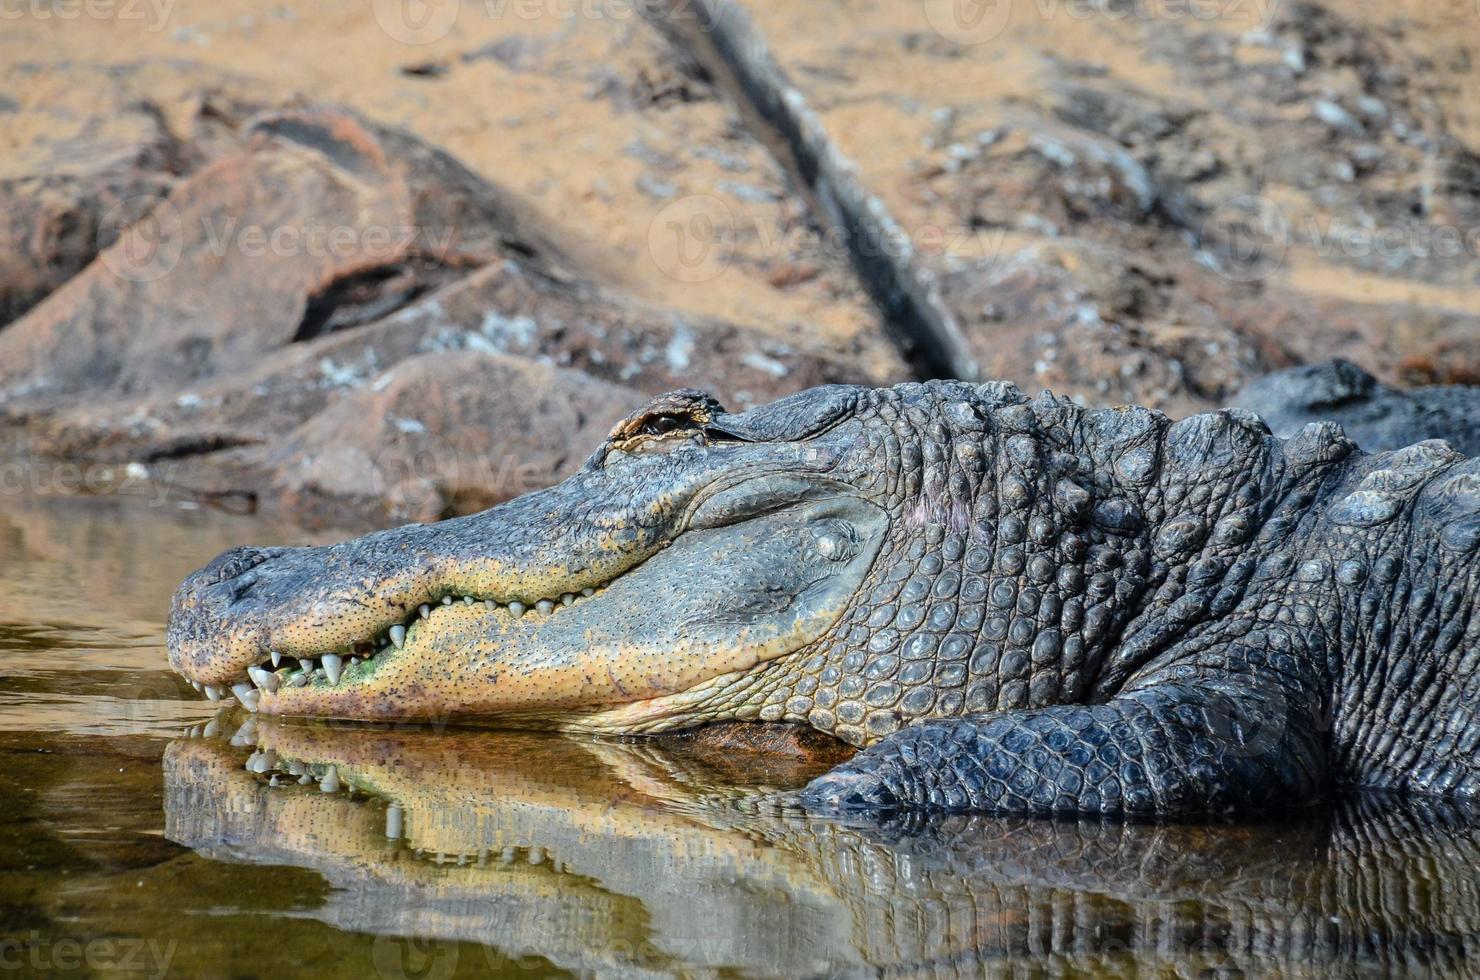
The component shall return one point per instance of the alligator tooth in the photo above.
(277, 659)
(249, 697)
(304, 779)
(355, 661)
(198, 686)
(241, 689)
(333, 665)
(393, 818)
(398, 636)
(490, 603)
(331, 781)
(272, 780)
(568, 598)
(545, 606)
(588, 592)
(213, 692)
(298, 680)
(212, 729)
(425, 610)
(517, 608)
(469, 599)
(263, 679)
(447, 600)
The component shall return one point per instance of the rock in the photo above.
(1376, 416)
(506, 308)
(318, 223)
(289, 273)
(93, 158)
(441, 434)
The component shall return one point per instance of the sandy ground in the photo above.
(935, 77)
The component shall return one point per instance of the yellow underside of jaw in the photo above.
(699, 705)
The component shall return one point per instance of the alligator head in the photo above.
(693, 550)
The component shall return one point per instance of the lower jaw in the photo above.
(630, 719)
(663, 712)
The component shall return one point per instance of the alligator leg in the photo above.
(1202, 735)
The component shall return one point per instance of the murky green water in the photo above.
(146, 835)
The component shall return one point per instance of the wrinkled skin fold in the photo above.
(1012, 605)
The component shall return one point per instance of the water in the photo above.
(147, 834)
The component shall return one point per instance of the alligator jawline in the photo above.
(272, 672)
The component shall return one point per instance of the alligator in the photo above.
(1008, 604)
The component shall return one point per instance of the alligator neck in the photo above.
(1038, 558)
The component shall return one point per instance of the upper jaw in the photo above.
(273, 628)
(308, 602)
(273, 679)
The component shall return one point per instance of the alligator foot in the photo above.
(1165, 749)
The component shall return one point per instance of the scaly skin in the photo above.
(1047, 609)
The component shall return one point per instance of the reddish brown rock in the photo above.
(440, 434)
(318, 223)
(277, 288)
(93, 156)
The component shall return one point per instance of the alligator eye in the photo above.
(661, 425)
(836, 540)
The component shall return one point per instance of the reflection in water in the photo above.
(85, 585)
(636, 857)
